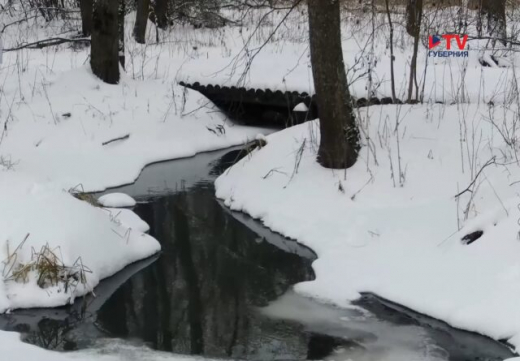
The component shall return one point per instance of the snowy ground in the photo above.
(255, 55)
(58, 123)
(283, 63)
(392, 225)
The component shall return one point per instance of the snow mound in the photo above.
(301, 108)
(116, 200)
(86, 243)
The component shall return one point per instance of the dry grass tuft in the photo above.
(77, 192)
(47, 266)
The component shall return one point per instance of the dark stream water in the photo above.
(221, 288)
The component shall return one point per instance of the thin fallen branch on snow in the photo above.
(46, 43)
(124, 137)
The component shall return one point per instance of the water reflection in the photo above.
(200, 296)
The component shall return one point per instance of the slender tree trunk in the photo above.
(413, 70)
(392, 57)
(141, 20)
(495, 12)
(86, 17)
(104, 59)
(339, 145)
(414, 11)
(121, 23)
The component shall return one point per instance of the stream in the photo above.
(222, 288)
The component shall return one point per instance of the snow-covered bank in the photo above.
(392, 225)
(37, 221)
(82, 132)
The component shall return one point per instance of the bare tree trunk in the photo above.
(495, 11)
(161, 14)
(339, 145)
(104, 59)
(141, 20)
(121, 23)
(414, 12)
(392, 57)
(86, 17)
(414, 16)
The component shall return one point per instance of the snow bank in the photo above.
(301, 108)
(391, 224)
(77, 233)
(116, 200)
(96, 136)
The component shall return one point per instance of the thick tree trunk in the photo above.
(141, 20)
(414, 10)
(161, 14)
(339, 143)
(86, 17)
(104, 55)
(121, 23)
(495, 12)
